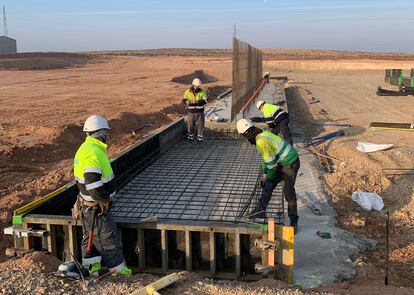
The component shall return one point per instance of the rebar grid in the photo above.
(212, 181)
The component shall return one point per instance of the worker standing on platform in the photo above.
(279, 162)
(95, 180)
(276, 118)
(195, 98)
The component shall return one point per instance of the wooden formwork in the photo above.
(150, 241)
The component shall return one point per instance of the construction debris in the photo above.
(319, 139)
(135, 130)
(312, 202)
(368, 201)
(324, 235)
(313, 100)
(392, 126)
(152, 288)
(367, 147)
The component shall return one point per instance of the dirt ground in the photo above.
(43, 110)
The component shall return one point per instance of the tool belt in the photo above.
(87, 204)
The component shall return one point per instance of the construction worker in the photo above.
(195, 98)
(276, 118)
(266, 76)
(279, 162)
(95, 180)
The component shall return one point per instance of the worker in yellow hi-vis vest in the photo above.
(279, 162)
(276, 118)
(95, 180)
(195, 98)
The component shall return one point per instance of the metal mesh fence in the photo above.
(247, 73)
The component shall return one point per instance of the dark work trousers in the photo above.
(106, 243)
(288, 175)
(282, 130)
(195, 125)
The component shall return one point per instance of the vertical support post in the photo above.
(73, 241)
(212, 242)
(237, 246)
(51, 239)
(164, 250)
(264, 253)
(141, 249)
(188, 251)
(271, 238)
(26, 240)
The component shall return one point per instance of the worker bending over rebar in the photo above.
(95, 180)
(276, 118)
(195, 98)
(279, 162)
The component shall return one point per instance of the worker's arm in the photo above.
(95, 187)
(257, 119)
(94, 184)
(204, 100)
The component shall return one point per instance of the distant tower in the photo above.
(5, 22)
(7, 44)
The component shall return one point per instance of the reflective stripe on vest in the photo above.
(281, 149)
(92, 157)
(269, 112)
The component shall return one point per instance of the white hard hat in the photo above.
(267, 74)
(259, 104)
(243, 125)
(95, 122)
(196, 82)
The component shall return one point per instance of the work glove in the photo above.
(256, 119)
(263, 180)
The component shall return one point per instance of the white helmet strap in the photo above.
(98, 133)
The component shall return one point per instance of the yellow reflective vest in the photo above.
(274, 151)
(92, 157)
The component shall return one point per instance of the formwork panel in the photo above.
(212, 181)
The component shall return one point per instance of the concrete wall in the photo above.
(7, 45)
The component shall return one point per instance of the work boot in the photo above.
(94, 269)
(258, 212)
(126, 272)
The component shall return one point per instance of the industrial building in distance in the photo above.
(7, 44)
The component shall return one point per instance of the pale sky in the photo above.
(84, 25)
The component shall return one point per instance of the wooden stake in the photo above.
(152, 288)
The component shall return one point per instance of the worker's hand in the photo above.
(185, 101)
(103, 207)
(263, 180)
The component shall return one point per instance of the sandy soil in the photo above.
(43, 110)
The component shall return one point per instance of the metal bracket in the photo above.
(265, 269)
(265, 245)
(29, 232)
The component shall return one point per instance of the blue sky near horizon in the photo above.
(82, 25)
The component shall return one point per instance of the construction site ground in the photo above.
(40, 130)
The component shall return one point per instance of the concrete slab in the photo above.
(320, 261)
